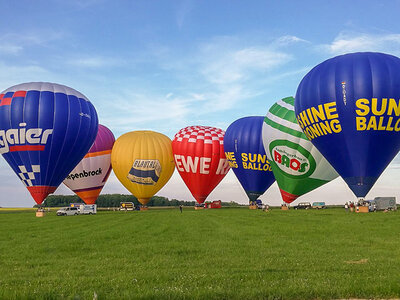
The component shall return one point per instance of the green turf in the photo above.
(212, 254)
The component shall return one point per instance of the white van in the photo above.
(90, 209)
(68, 211)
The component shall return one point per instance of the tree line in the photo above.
(114, 200)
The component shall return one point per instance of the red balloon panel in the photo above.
(200, 159)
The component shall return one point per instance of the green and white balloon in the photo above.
(297, 165)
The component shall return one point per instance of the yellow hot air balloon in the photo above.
(143, 162)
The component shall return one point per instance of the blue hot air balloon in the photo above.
(45, 130)
(244, 149)
(349, 107)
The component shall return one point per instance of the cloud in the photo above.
(347, 42)
(216, 76)
(289, 39)
(14, 74)
(182, 12)
(132, 111)
(13, 192)
(235, 73)
(8, 48)
(224, 98)
(225, 66)
(94, 62)
(17, 43)
(33, 37)
(83, 4)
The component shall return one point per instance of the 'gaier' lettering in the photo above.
(23, 139)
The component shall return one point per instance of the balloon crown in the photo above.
(206, 133)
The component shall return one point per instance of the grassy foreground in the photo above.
(212, 254)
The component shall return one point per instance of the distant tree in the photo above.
(114, 200)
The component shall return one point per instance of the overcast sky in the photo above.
(164, 65)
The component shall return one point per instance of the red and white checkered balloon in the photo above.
(200, 159)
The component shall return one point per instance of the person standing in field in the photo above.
(351, 206)
(346, 206)
(181, 207)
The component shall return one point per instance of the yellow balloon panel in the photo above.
(143, 162)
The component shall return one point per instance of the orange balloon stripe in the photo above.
(94, 154)
(89, 197)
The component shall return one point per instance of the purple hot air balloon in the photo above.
(90, 175)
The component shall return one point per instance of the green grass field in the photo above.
(230, 253)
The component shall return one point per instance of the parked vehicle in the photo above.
(302, 205)
(382, 203)
(90, 209)
(74, 209)
(212, 204)
(68, 211)
(126, 206)
(318, 205)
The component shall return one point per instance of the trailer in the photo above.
(382, 203)
(213, 204)
(126, 206)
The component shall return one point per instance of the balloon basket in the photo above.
(144, 208)
(284, 207)
(252, 206)
(198, 207)
(40, 214)
(363, 209)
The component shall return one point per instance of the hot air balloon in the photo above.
(244, 150)
(297, 165)
(45, 130)
(143, 162)
(89, 176)
(349, 108)
(200, 159)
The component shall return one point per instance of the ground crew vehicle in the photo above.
(126, 206)
(318, 205)
(382, 203)
(302, 205)
(68, 211)
(90, 209)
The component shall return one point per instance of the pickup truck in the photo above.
(82, 209)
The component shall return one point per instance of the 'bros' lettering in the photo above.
(291, 163)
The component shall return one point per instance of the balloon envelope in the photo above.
(349, 108)
(245, 152)
(143, 162)
(297, 165)
(45, 130)
(200, 159)
(89, 176)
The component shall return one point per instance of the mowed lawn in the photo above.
(229, 253)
